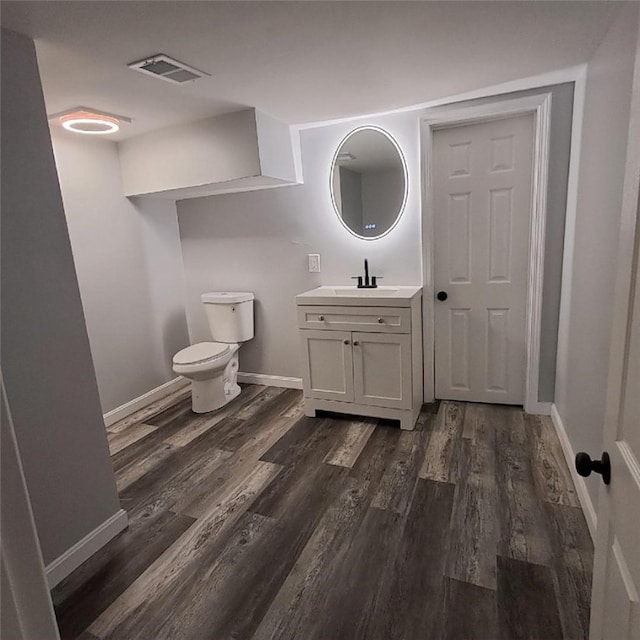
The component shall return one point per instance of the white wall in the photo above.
(583, 348)
(46, 362)
(275, 147)
(260, 241)
(195, 153)
(129, 265)
(27, 611)
(236, 151)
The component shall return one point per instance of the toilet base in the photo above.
(206, 396)
(214, 393)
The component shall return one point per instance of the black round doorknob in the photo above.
(585, 465)
(442, 296)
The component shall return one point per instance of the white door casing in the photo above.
(615, 604)
(482, 200)
(441, 117)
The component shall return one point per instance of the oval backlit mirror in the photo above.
(369, 182)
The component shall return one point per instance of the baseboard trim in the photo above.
(581, 485)
(73, 557)
(539, 408)
(142, 401)
(125, 410)
(272, 381)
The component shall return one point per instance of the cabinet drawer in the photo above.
(378, 319)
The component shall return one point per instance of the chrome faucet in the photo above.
(367, 284)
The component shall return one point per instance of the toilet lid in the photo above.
(200, 352)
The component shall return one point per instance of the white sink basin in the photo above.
(363, 293)
(384, 296)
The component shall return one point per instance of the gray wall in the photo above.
(129, 265)
(259, 241)
(382, 193)
(351, 199)
(46, 361)
(583, 351)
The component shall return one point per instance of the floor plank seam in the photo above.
(243, 526)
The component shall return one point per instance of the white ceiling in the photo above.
(298, 61)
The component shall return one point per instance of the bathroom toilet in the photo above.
(212, 367)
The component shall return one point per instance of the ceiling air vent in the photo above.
(166, 68)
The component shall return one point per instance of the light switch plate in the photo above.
(314, 262)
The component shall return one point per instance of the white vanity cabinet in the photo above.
(362, 353)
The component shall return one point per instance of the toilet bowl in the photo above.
(212, 367)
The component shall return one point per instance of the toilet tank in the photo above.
(229, 315)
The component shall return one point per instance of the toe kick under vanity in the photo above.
(362, 351)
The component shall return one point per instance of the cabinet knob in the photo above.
(355, 343)
(321, 318)
(380, 320)
(346, 342)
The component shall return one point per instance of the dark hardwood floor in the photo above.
(257, 522)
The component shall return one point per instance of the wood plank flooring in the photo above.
(258, 523)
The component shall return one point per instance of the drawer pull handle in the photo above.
(380, 320)
(346, 342)
(321, 318)
(355, 343)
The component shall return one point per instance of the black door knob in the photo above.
(442, 296)
(585, 465)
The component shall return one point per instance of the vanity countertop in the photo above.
(382, 296)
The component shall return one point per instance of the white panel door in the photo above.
(482, 196)
(616, 578)
(382, 369)
(328, 362)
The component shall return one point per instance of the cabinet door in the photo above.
(328, 365)
(382, 369)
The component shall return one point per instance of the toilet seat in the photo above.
(201, 353)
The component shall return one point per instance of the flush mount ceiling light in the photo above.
(165, 68)
(89, 121)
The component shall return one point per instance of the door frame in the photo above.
(444, 117)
